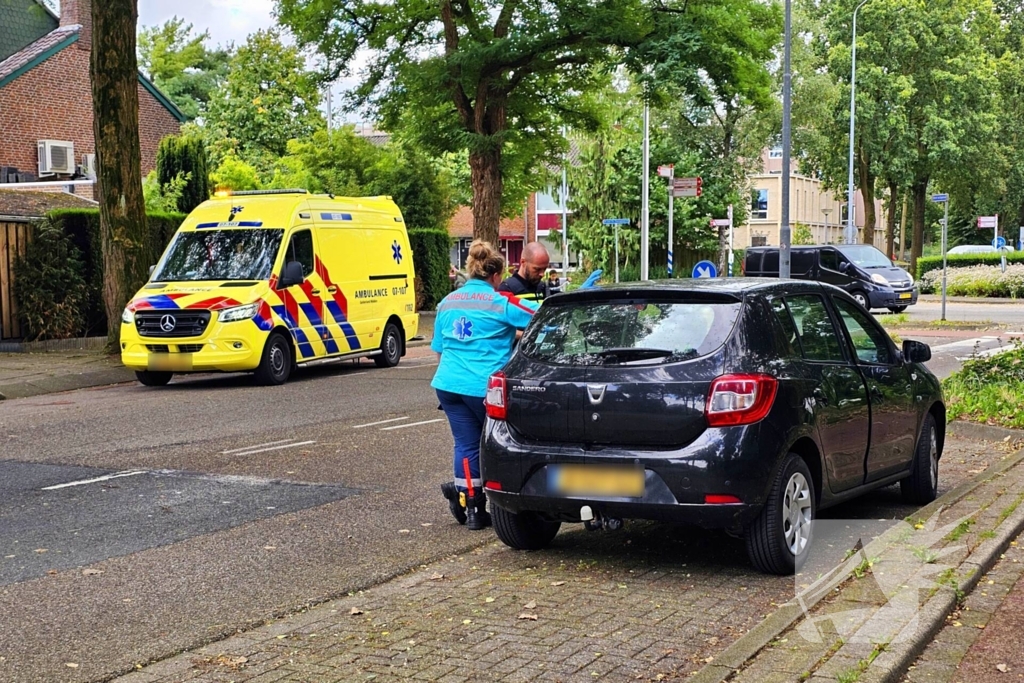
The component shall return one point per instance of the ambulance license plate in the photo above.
(905, 295)
(596, 480)
(169, 362)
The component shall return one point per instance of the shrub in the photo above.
(82, 226)
(181, 170)
(988, 389)
(49, 285)
(430, 251)
(926, 264)
(980, 281)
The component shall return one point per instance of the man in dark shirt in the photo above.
(528, 281)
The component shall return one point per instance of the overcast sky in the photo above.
(226, 20)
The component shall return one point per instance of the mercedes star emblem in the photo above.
(167, 323)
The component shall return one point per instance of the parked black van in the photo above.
(863, 271)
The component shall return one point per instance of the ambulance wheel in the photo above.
(153, 379)
(390, 347)
(276, 364)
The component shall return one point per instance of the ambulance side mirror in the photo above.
(151, 269)
(291, 275)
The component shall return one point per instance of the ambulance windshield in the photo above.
(235, 254)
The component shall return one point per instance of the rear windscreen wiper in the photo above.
(627, 354)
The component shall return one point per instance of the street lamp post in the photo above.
(851, 230)
(826, 212)
(785, 232)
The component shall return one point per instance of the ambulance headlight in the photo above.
(127, 317)
(238, 313)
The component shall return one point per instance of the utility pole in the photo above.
(645, 226)
(851, 227)
(785, 232)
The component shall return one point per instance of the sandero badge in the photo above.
(738, 404)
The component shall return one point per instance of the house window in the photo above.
(759, 240)
(548, 201)
(759, 204)
(844, 214)
(775, 153)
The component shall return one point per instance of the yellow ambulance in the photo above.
(264, 281)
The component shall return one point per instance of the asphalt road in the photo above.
(137, 523)
(1008, 314)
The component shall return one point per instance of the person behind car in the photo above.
(554, 283)
(528, 281)
(473, 332)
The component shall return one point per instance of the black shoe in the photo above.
(451, 492)
(477, 517)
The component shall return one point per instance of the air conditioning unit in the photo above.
(89, 166)
(56, 156)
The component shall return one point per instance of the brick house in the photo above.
(46, 116)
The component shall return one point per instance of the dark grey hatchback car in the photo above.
(741, 404)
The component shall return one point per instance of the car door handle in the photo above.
(315, 291)
(332, 289)
(820, 397)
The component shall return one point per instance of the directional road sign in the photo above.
(939, 198)
(988, 221)
(615, 221)
(666, 171)
(720, 223)
(705, 269)
(999, 242)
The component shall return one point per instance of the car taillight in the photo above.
(740, 399)
(496, 400)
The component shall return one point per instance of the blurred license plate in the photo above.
(170, 362)
(905, 295)
(583, 480)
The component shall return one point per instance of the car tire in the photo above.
(779, 540)
(861, 298)
(390, 347)
(153, 379)
(922, 486)
(523, 530)
(276, 363)
(897, 309)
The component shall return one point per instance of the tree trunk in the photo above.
(723, 251)
(124, 235)
(919, 192)
(867, 191)
(890, 222)
(903, 228)
(485, 170)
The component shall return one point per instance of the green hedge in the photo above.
(83, 227)
(927, 263)
(430, 252)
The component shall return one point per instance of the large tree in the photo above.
(115, 95)
(487, 77)
(179, 63)
(268, 98)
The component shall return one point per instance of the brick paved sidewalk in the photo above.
(981, 642)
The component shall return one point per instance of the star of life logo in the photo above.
(463, 328)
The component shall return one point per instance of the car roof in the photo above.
(734, 288)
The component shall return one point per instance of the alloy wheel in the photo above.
(797, 514)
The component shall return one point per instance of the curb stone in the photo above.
(53, 385)
(732, 659)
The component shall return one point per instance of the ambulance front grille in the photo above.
(171, 323)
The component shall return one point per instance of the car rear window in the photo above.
(628, 333)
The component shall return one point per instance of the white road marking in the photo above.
(105, 477)
(410, 366)
(277, 448)
(411, 424)
(257, 445)
(964, 343)
(382, 422)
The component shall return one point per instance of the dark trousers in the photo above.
(466, 415)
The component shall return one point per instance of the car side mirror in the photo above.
(291, 275)
(916, 352)
(844, 266)
(151, 269)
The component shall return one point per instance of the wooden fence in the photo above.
(13, 239)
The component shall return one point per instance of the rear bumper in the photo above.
(736, 461)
